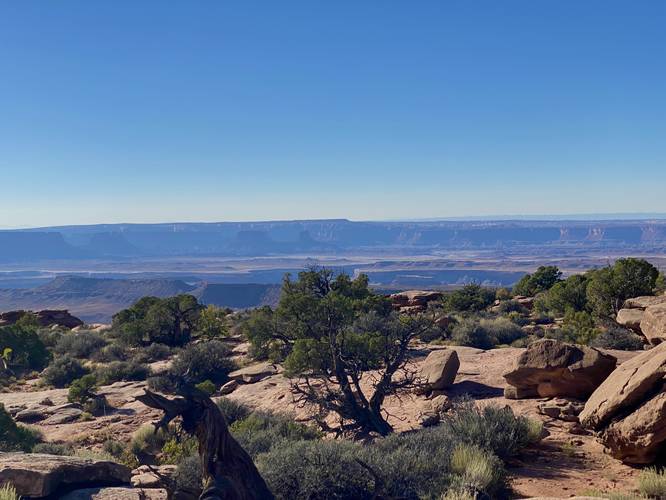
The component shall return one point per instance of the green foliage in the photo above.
(617, 337)
(579, 327)
(28, 321)
(14, 437)
(121, 371)
(212, 322)
(152, 353)
(203, 361)
(609, 287)
(470, 298)
(233, 410)
(652, 482)
(147, 441)
(486, 333)
(63, 371)
(207, 386)
(82, 390)
(188, 476)
(260, 327)
(541, 280)
(79, 344)
(511, 306)
(27, 350)
(111, 352)
(567, 295)
(176, 450)
(168, 321)
(477, 469)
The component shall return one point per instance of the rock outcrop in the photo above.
(629, 408)
(254, 373)
(39, 475)
(47, 317)
(549, 368)
(414, 300)
(439, 369)
(645, 315)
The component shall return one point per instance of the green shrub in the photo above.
(114, 448)
(207, 386)
(152, 353)
(79, 344)
(502, 330)
(14, 437)
(147, 441)
(316, 470)
(8, 492)
(53, 449)
(82, 390)
(111, 352)
(188, 476)
(63, 371)
(652, 483)
(204, 361)
(233, 410)
(176, 450)
(469, 332)
(469, 298)
(616, 337)
(477, 469)
(27, 349)
(121, 371)
(509, 306)
(259, 432)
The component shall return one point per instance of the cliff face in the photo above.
(325, 236)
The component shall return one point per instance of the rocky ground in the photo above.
(563, 464)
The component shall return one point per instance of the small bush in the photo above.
(652, 483)
(114, 448)
(470, 333)
(616, 337)
(207, 386)
(79, 344)
(53, 449)
(14, 437)
(81, 390)
(111, 352)
(147, 441)
(204, 361)
(509, 306)
(152, 353)
(63, 371)
(26, 350)
(121, 371)
(188, 476)
(233, 410)
(502, 330)
(478, 469)
(176, 450)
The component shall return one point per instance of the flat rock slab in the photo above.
(631, 318)
(644, 302)
(40, 475)
(116, 493)
(254, 373)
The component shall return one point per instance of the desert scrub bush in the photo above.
(491, 428)
(233, 410)
(82, 389)
(63, 371)
(616, 337)
(111, 352)
(53, 449)
(14, 437)
(175, 450)
(652, 482)
(94, 455)
(469, 332)
(121, 371)
(152, 353)
(146, 440)
(8, 492)
(188, 475)
(204, 361)
(508, 306)
(79, 344)
(22, 348)
(477, 470)
(259, 432)
(502, 330)
(316, 470)
(207, 386)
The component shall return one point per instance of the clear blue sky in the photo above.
(219, 110)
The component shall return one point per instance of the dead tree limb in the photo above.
(228, 471)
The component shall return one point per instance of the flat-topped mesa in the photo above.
(550, 368)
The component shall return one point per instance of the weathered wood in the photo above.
(229, 472)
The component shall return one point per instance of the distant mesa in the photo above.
(45, 318)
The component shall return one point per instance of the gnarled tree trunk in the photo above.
(229, 472)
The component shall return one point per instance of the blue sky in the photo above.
(217, 110)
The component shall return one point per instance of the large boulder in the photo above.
(439, 369)
(254, 373)
(629, 408)
(653, 323)
(631, 318)
(47, 317)
(39, 475)
(644, 302)
(549, 368)
(414, 300)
